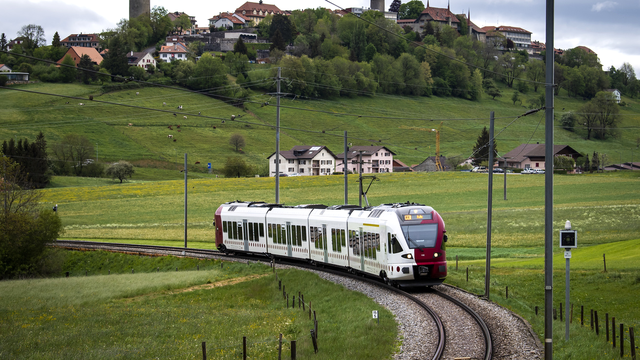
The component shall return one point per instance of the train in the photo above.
(404, 244)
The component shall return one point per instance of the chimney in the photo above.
(131, 52)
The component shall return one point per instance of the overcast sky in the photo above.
(610, 28)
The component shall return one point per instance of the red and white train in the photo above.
(403, 243)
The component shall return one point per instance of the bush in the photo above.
(3, 80)
(441, 87)
(94, 169)
(522, 86)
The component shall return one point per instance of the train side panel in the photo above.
(287, 232)
(328, 236)
(243, 228)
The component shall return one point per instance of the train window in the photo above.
(420, 235)
(269, 232)
(261, 230)
(333, 239)
(283, 238)
(378, 242)
(224, 226)
(235, 230)
(294, 235)
(304, 233)
(394, 244)
(278, 234)
(343, 237)
(256, 236)
(299, 230)
(240, 236)
(251, 231)
(324, 237)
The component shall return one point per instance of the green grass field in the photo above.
(169, 314)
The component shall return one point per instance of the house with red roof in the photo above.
(177, 51)
(521, 38)
(376, 159)
(229, 21)
(17, 41)
(82, 40)
(141, 59)
(76, 52)
(256, 12)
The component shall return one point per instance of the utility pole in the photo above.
(487, 277)
(278, 139)
(548, 187)
(185, 201)
(360, 178)
(346, 173)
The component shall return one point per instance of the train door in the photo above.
(361, 249)
(245, 234)
(288, 237)
(324, 243)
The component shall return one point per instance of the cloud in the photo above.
(604, 6)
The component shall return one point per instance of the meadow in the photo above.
(169, 314)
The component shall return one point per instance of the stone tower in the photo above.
(378, 5)
(139, 7)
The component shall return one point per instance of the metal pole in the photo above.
(566, 299)
(185, 200)
(278, 140)
(360, 179)
(505, 178)
(487, 277)
(346, 173)
(548, 187)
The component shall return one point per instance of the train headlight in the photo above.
(435, 255)
(407, 256)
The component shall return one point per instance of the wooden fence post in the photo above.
(560, 311)
(581, 315)
(299, 305)
(279, 284)
(613, 331)
(315, 342)
(604, 259)
(507, 292)
(597, 324)
(536, 311)
(204, 350)
(244, 348)
(633, 343)
(293, 350)
(280, 348)
(303, 307)
(467, 274)
(571, 318)
(621, 340)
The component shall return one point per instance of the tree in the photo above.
(25, 229)
(475, 92)
(491, 89)
(235, 167)
(600, 116)
(595, 162)
(56, 40)
(68, 69)
(115, 60)
(283, 24)
(33, 37)
(239, 47)
(277, 41)
(209, 73)
(568, 121)
(87, 64)
(182, 22)
(536, 73)
(411, 9)
(564, 162)
(3, 42)
(237, 141)
(515, 97)
(73, 150)
(196, 48)
(395, 6)
(120, 170)
(32, 159)
(481, 149)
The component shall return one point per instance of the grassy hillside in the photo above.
(147, 145)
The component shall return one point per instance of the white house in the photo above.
(305, 160)
(616, 94)
(4, 68)
(141, 59)
(376, 159)
(177, 51)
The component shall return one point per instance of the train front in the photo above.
(417, 255)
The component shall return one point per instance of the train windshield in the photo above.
(421, 235)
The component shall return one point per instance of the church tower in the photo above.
(139, 7)
(378, 5)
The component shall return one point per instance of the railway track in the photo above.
(421, 298)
